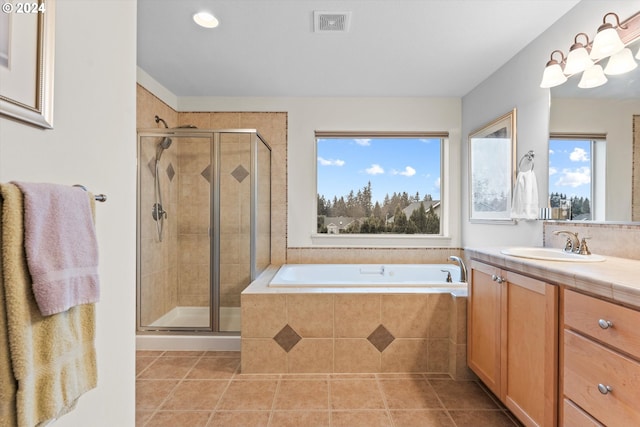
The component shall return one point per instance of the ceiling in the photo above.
(404, 48)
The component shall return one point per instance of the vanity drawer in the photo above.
(590, 316)
(576, 417)
(588, 365)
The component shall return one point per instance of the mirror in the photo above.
(491, 164)
(606, 110)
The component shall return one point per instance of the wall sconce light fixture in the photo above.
(610, 42)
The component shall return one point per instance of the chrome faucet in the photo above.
(463, 268)
(573, 242)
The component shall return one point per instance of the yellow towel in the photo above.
(8, 384)
(53, 358)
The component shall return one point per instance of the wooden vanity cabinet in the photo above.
(600, 362)
(513, 341)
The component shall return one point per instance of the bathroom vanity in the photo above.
(557, 342)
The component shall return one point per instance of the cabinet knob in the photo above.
(497, 278)
(605, 324)
(604, 389)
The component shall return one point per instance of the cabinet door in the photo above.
(483, 346)
(530, 349)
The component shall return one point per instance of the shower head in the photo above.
(162, 145)
(165, 143)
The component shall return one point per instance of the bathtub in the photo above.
(367, 276)
(341, 318)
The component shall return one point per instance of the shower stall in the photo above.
(204, 227)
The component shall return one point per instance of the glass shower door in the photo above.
(175, 177)
(235, 225)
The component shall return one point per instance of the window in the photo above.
(575, 176)
(379, 183)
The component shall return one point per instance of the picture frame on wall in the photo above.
(492, 151)
(27, 62)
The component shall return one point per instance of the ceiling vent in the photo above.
(331, 22)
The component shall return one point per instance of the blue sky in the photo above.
(391, 164)
(570, 167)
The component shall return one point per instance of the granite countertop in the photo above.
(616, 279)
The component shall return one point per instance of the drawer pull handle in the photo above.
(496, 278)
(604, 389)
(605, 324)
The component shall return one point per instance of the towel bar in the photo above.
(98, 197)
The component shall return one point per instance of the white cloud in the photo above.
(330, 162)
(375, 170)
(363, 142)
(408, 171)
(552, 170)
(578, 155)
(551, 152)
(437, 183)
(574, 177)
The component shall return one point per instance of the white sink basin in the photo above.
(550, 254)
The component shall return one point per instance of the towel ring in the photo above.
(529, 156)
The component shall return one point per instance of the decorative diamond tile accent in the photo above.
(381, 338)
(152, 166)
(287, 338)
(240, 173)
(170, 172)
(206, 173)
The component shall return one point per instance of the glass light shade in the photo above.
(206, 20)
(553, 75)
(592, 77)
(620, 63)
(606, 43)
(577, 61)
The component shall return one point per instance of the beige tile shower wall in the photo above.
(193, 207)
(619, 240)
(235, 248)
(235, 220)
(348, 333)
(158, 263)
(273, 128)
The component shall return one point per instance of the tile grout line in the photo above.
(155, 410)
(213, 410)
(384, 400)
(440, 400)
(170, 394)
(273, 403)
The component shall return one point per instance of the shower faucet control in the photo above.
(158, 213)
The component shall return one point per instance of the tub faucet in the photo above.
(463, 268)
(573, 242)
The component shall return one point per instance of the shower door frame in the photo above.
(214, 225)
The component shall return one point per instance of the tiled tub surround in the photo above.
(368, 330)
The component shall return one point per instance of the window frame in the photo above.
(388, 240)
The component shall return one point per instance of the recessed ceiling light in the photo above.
(205, 19)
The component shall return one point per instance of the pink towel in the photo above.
(60, 245)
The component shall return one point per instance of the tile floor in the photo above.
(206, 389)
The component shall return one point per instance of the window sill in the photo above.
(380, 241)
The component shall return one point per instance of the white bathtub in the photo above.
(367, 276)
